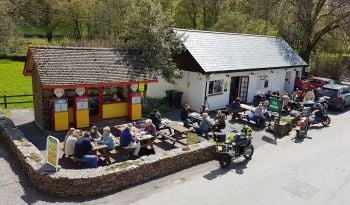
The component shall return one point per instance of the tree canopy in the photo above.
(309, 26)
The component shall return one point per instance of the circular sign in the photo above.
(80, 91)
(59, 92)
(134, 87)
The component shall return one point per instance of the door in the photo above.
(287, 84)
(94, 103)
(234, 88)
(243, 91)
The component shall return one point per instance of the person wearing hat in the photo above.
(128, 140)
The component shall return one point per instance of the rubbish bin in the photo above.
(177, 97)
(169, 97)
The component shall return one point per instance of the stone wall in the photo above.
(103, 179)
(42, 102)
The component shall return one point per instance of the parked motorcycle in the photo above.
(229, 151)
(319, 115)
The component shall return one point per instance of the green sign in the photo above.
(274, 105)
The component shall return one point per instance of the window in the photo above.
(112, 94)
(215, 87)
(263, 82)
(244, 88)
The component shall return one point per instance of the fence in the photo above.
(6, 98)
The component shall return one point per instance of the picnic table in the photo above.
(176, 132)
(246, 107)
(144, 139)
(196, 116)
(121, 127)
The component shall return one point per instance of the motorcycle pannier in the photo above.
(219, 137)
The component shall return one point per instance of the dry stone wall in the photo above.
(87, 182)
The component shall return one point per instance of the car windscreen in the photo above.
(329, 92)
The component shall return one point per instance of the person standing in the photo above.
(235, 108)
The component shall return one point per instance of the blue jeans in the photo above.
(89, 161)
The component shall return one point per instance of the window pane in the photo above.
(211, 85)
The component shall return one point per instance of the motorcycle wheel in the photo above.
(248, 152)
(225, 161)
(326, 121)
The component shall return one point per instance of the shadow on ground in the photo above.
(236, 166)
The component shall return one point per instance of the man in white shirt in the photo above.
(69, 144)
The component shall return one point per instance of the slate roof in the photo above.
(221, 52)
(76, 66)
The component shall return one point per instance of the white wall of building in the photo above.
(193, 86)
(218, 101)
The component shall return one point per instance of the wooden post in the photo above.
(5, 101)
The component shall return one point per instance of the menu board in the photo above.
(136, 100)
(61, 105)
(82, 103)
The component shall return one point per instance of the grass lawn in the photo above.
(12, 82)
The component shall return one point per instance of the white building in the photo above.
(218, 67)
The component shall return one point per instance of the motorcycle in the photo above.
(229, 151)
(319, 115)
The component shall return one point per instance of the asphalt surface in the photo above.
(282, 171)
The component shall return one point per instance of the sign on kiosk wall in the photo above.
(61, 105)
(82, 103)
(52, 151)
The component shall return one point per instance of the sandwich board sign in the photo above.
(52, 151)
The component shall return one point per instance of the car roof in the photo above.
(335, 86)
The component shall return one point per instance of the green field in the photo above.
(12, 82)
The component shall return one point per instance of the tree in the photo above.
(8, 24)
(148, 29)
(312, 20)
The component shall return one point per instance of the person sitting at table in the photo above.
(95, 134)
(235, 108)
(107, 139)
(128, 140)
(220, 122)
(69, 142)
(69, 133)
(150, 128)
(258, 116)
(184, 115)
(204, 125)
(83, 151)
(156, 118)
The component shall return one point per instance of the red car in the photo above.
(316, 82)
